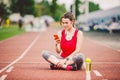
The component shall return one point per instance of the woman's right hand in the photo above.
(57, 41)
(56, 38)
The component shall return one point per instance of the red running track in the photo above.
(20, 59)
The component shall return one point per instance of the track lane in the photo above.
(33, 67)
(12, 49)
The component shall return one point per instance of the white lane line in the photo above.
(97, 73)
(3, 77)
(10, 69)
(22, 55)
(88, 75)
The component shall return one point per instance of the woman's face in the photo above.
(66, 23)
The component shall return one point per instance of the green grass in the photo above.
(7, 32)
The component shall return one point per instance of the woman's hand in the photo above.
(57, 41)
(61, 63)
(56, 38)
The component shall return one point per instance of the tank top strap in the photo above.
(63, 32)
(75, 34)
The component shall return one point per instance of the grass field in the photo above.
(7, 32)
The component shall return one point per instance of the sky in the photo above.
(104, 4)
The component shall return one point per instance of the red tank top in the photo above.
(68, 46)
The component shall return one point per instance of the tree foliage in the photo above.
(23, 6)
(59, 12)
(77, 5)
(38, 9)
(52, 9)
(53, 6)
(4, 12)
(42, 8)
(93, 7)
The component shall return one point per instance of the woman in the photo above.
(68, 45)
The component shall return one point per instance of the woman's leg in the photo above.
(76, 61)
(51, 57)
(79, 60)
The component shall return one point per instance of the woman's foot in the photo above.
(68, 68)
(53, 67)
(72, 67)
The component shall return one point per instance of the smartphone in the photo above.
(56, 36)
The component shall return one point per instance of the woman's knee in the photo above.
(45, 54)
(78, 58)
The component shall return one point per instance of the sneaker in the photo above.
(53, 67)
(79, 66)
(73, 67)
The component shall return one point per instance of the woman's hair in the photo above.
(68, 15)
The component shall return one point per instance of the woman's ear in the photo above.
(73, 22)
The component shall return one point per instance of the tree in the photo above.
(23, 6)
(77, 5)
(37, 10)
(44, 7)
(53, 8)
(93, 7)
(59, 12)
(4, 12)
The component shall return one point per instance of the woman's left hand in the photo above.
(61, 63)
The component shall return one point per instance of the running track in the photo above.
(20, 59)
